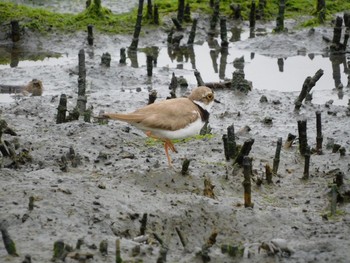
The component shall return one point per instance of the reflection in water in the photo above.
(235, 34)
(212, 61)
(214, 64)
(14, 57)
(289, 74)
(132, 55)
(280, 63)
(181, 55)
(13, 54)
(223, 62)
(336, 61)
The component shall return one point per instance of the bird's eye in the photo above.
(210, 96)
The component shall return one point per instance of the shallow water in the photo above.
(285, 73)
(266, 73)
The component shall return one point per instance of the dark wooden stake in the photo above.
(321, 10)
(225, 142)
(319, 136)
(156, 15)
(337, 30)
(122, 59)
(152, 96)
(199, 79)
(149, 63)
(347, 19)
(214, 18)
(247, 170)
(276, 160)
(280, 17)
(247, 146)
(185, 165)
(58, 250)
(309, 83)
(236, 10)
(252, 15)
(346, 37)
(306, 163)
(103, 248)
(90, 35)
(302, 136)
(143, 226)
(82, 99)
(192, 32)
(260, 14)
(268, 172)
(15, 31)
(177, 24)
(137, 30)
(106, 59)
(9, 244)
(149, 9)
(231, 141)
(31, 203)
(180, 10)
(187, 13)
(62, 109)
(339, 178)
(118, 258)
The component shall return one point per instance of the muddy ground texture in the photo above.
(116, 175)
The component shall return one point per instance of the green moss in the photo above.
(105, 21)
(339, 214)
(43, 20)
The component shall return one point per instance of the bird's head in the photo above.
(203, 97)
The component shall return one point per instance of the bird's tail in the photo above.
(131, 118)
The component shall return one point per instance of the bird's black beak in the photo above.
(217, 101)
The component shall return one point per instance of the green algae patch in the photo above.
(44, 21)
(104, 20)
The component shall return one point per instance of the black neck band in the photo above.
(204, 113)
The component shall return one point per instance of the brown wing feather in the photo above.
(169, 114)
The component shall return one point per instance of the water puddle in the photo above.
(266, 73)
(284, 74)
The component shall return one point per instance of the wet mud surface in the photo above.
(118, 175)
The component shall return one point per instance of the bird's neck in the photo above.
(203, 112)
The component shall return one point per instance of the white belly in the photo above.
(190, 130)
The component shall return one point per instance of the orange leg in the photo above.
(167, 145)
